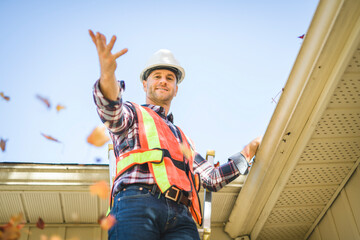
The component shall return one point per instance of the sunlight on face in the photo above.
(160, 87)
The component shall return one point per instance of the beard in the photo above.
(160, 96)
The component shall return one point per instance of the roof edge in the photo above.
(262, 179)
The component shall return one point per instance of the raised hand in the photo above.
(249, 150)
(108, 64)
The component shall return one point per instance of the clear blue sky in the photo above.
(237, 56)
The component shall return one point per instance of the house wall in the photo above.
(342, 220)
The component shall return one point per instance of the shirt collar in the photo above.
(160, 111)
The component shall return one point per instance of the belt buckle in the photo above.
(171, 197)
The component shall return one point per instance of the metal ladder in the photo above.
(206, 229)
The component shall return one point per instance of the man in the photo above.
(154, 193)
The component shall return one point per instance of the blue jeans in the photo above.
(141, 215)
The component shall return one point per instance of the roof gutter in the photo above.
(270, 160)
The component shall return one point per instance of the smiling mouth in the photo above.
(163, 89)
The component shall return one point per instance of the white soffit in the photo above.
(66, 201)
(42, 204)
(76, 207)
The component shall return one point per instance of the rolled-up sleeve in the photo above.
(114, 114)
(215, 178)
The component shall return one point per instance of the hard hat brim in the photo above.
(158, 66)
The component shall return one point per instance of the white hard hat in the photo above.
(163, 59)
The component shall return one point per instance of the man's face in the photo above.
(160, 87)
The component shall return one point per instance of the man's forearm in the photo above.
(118, 116)
(109, 87)
(212, 178)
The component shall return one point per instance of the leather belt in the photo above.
(175, 194)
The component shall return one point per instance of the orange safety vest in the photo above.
(165, 157)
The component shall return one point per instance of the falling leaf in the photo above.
(55, 237)
(217, 164)
(9, 232)
(100, 189)
(50, 138)
(107, 222)
(59, 107)
(17, 219)
(102, 216)
(185, 150)
(43, 237)
(20, 226)
(302, 36)
(3, 144)
(98, 137)
(40, 223)
(44, 100)
(12, 229)
(4, 97)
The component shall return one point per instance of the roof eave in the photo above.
(296, 114)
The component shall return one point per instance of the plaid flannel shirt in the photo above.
(123, 127)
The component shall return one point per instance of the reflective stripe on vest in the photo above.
(154, 142)
(150, 130)
(164, 155)
(139, 158)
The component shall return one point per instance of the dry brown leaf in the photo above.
(100, 189)
(44, 100)
(40, 223)
(43, 237)
(59, 107)
(50, 138)
(17, 219)
(98, 137)
(3, 144)
(4, 97)
(9, 232)
(55, 237)
(107, 222)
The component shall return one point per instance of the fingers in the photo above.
(103, 38)
(92, 35)
(110, 46)
(120, 53)
(99, 42)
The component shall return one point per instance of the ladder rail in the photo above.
(210, 155)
